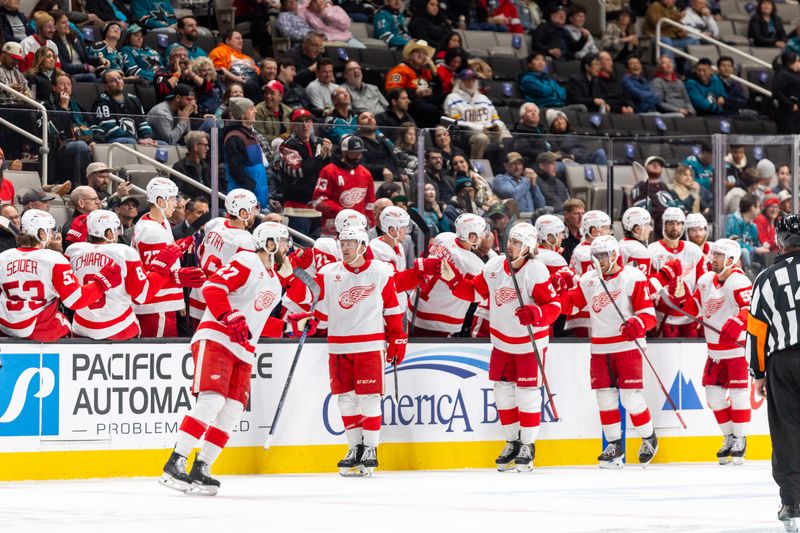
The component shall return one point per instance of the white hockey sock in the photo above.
(740, 411)
(718, 402)
(530, 402)
(370, 405)
(608, 402)
(633, 401)
(218, 433)
(506, 402)
(351, 418)
(194, 424)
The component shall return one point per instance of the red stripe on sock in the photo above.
(217, 437)
(508, 416)
(371, 423)
(723, 416)
(641, 418)
(193, 427)
(351, 422)
(740, 416)
(529, 420)
(609, 417)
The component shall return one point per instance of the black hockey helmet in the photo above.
(787, 231)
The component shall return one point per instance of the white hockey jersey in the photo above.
(693, 264)
(253, 290)
(325, 250)
(580, 263)
(219, 245)
(438, 309)
(629, 289)
(553, 260)
(719, 302)
(353, 305)
(149, 238)
(381, 251)
(636, 254)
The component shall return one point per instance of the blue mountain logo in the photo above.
(684, 395)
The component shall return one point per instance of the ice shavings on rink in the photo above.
(662, 497)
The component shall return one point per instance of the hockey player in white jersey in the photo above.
(512, 365)
(358, 306)
(722, 300)
(616, 362)
(240, 297)
(697, 232)
(34, 279)
(551, 231)
(151, 234)
(637, 224)
(593, 225)
(683, 260)
(112, 316)
(224, 238)
(439, 313)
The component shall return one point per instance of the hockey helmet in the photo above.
(355, 234)
(270, 231)
(469, 223)
(549, 225)
(787, 231)
(696, 220)
(239, 199)
(394, 217)
(605, 244)
(526, 234)
(673, 214)
(729, 248)
(635, 216)
(161, 188)
(594, 219)
(99, 221)
(349, 218)
(34, 220)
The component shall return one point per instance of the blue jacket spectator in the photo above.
(516, 184)
(740, 226)
(645, 99)
(245, 159)
(153, 13)
(389, 25)
(737, 96)
(539, 87)
(702, 166)
(706, 90)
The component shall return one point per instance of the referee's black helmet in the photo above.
(787, 231)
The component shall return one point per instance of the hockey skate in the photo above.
(369, 461)
(724, 453)
(738, 449)
(612, 456)
(175, 476)
(505, 461)
(790, 516)
(524, 459)
(648, 449)
(350, 466)
(202, 482)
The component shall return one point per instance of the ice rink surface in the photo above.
(665, 498)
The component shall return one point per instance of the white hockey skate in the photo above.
(790, 516)
(350, 466)
(738, 449)
(612, 456)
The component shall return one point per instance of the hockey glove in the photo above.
(529, 315)
(396, 351)
(671, 270)
(302, 258)
(731, 329)
(429, 266)
(632, 329)
(677, 291)
(450, 274)
(236, 323)
(563, 280)
(167, 257)
(298, 321)
(108, 277)
(189, 277)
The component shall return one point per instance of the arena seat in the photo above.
(23, 180)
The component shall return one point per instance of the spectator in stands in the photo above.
(8, 239)
(451, 39)
(784, 179)
(443, 142)
(107, 49)
(579, 38)
(786, 88)
(653, 194)
(170, 118)
(389, 25)
(140, 61)
(272, 115)
(691, 197)
(9, 72)
(45, 29)
(672, 92)
(583, 89)
(567, 144)
(501, 16)
(320, 91)
(42, 73)
(187, 35)
(396, 115)
(706, 90)
(765, 170)
(152, 14)
(429, 22)
(553, 189)
(195, 164)
(204, 83)
(244, 155)
(298, 164)
(11, 109)
(702, 165)
(379, 155)
(177, 70)
(7, 192)
(574, 208)
(416, 75)
(331, 20)
(71, 51)
(228, 57)
(609, 89)
(765, 222)
(736, 102)
(363, 96)
(766, 27)
(342, 121)
(475, 112)
(539, 87)
(433, 212)
(119, 116)
(127, 209)
(39, 199)
(636, 86)
(698, 16)
(436, 174)
(14, 24)
(620, 38)
(793, 44)
(740, 226)
(519, 183)
(405, 151)
(455, 60)
(105, 11)
(98, 177)
(233, 90)
(748, 184)
(267, 71)
(178, 215)
(530, 141)
(85, 200)
(670, 35)
(484, 197)
(290, 23)
(735, 163)
(72, 155)
(463, 201)
(551, 38)
(305, 56)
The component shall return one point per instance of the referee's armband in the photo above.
(756, 344)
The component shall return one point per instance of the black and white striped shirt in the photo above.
(772, 325)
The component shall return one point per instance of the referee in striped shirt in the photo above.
(773, 343)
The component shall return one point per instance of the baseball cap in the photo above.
(353, 143)
(655, 158)
(513, 156)
(98, 166)
(300, 113)
(546, 157)
(180, 89)
(126, 199)
(498, 209)
(784, 195)
(771, 199)
(13, 49)
(467, 74)
(36, 195)
(462, 182)
(274, 85)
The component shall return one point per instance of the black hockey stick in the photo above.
(504, 245)
(599, 271)
(664, 296)
(309, 282)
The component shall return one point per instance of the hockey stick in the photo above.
(665, 298)
(599, 271)
(639, 172)
(309, 282)
(539, 363)
(423, 226)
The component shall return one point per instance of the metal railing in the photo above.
(710, 40)
(44, 147)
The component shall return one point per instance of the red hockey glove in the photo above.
(632, 329)
(189, 277)
(731, 329)
(429, 266)
(563, 280)
(456, 276)
(307, 319)
(397, 347)
(108, 277)
(671, 270)
(676, 290)
(237, 327)
(167, 257)
(302, 258)
(529, 315)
